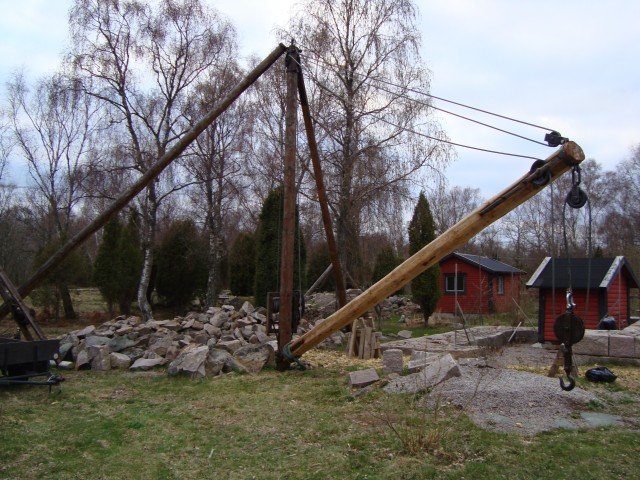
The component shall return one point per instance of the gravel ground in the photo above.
(514, 401)
(524, 355)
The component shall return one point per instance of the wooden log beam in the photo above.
(287, 257)
(119, 203)
(341, 292)
(559, 162)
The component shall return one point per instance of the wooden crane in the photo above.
(567, 156)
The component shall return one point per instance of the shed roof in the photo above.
(488, 264)
(580, 273)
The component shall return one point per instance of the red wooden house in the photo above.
(603, 283)
(480, 285)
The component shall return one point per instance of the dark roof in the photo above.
(585, 273)
(488, 264)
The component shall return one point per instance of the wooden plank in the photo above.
(366, 351)
(559, 162)
(352, 340)
(119, 203)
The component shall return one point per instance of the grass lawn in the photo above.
(292, 425)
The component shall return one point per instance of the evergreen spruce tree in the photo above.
(318, 262)
(242, 265)
(180, 265)
(268, 245)
(129, 265)
(386, 261)
(425, 288)
(118, 263)
(106, 270)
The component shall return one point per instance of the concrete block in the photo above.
(621, 346)
(362, 378)
(392, 361)
(595, 342)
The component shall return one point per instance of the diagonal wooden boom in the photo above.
(119, 203)
(569, 155)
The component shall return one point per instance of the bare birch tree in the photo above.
(143, 60)
(371, 155)
(215, 163)
(53, 126)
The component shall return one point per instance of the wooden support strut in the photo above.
(559, 162)
(118, 204)
(322, 194)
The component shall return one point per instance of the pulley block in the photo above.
(543, 177)
(576, 198)
(569, 328)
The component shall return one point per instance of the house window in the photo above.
(500, 285)
(455, 283)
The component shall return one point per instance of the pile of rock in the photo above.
(220, 340)
(323, 304)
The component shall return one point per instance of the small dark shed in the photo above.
(480, 285)
(604, 282)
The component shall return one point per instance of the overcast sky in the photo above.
(570, 65)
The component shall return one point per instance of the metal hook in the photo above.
(569, 387)
(570, 304)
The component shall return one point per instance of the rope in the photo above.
(461, 145)
(553, 254)
(429, 95)
(426, 104)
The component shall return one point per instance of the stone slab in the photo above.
(443, 368)
(406, 334)
(362, 378)
(392, 361)
(621, 346)
(595, 342)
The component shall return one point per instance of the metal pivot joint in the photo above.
(292, 59)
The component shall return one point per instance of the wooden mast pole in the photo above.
(322, 194)
(118, 204)
(287, 262)
(559, 162)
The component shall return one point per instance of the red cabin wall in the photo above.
(475, 299)
(618, 299)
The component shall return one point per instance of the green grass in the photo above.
(294, 425)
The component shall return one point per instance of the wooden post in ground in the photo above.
(292, 63)
(322, 195)
(569, 155)
(118, 204)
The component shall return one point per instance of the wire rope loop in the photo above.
(288, 355)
